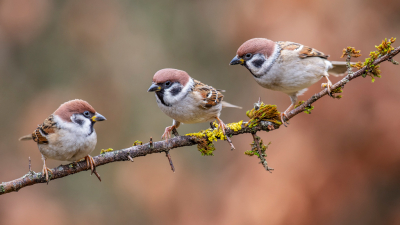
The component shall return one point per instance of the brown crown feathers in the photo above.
(172, 75)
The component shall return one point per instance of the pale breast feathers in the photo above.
(43, 130)
(209, 95)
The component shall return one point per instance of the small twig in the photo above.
(97, 175)
(151, 142)
(230, 142)
(258, 104)
(262, 158)
(255, 138)
(349, 70)
(130, 158)
(170, 161)
(394, 62)
(169, 156)
(30, 170)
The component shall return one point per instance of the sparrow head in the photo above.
(255, 54)
(79, 112)
(170, 85)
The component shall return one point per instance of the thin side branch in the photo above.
(261, 156)
(128, 154)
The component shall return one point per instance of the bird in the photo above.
(68, 134)
(187, 100)
(286, 66)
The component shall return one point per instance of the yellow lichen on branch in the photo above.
(307, 109)
(373, 70)
(263, 113)
(254, 150)
(136, 143)
(206, 146)
(106, 150)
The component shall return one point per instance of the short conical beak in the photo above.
(154, 87)
(98, 117)
(236, 60)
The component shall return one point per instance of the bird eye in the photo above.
(86, 114)
(168, 83)
(248, 55)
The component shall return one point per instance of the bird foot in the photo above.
(284, 121)
(167, 132)
(222, 126)
(327, 85)
(45, 172)
(92, 164)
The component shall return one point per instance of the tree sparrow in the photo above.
(286, 66)
(186, 100)
(68, 134)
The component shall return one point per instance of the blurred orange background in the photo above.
(339, 165)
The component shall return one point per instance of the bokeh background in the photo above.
(339, 165)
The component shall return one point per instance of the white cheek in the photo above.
(268, 62)
(169, 98)
(79, 129)
(258, 57)
(85, 121)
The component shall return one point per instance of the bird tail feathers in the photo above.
(227, 104)
(26, 138)
(338, 68)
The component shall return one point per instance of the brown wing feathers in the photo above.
(47, 127)
(311, 52)
(210, 95)
(304, 52)
(40, 134)
(287, 45)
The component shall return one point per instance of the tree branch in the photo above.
(128, 154)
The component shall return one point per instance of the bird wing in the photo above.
(311, 52)
(43, 130)
(304, 52)
(288, 45)
(209, 95)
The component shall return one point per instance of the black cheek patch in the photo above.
(160, 95)
(247, 67)
(78, 121)
(175, 91)
(258, 62)
(91, 129)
